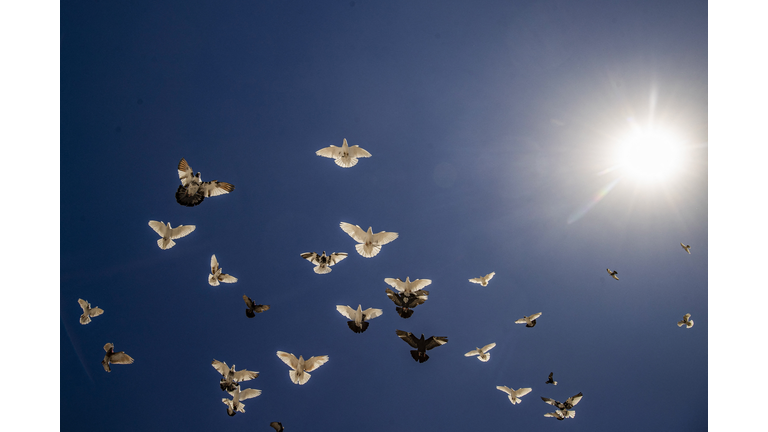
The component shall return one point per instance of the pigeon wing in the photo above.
(249, 393)
(418, 284)
(215, 188)
(221, 367)
(394, 297)
(347, 311)
(185, 172)
(436, 341)
(248, 301)
(214, 264)
(474, 352)
(383, 237)
(573, 400)
(311, 257)
(288, 359)
(96, 312)
(489, 347)
(371, 313)
(408, 337)
(121, 358)
(227, 278)
(534, 316)
(329, 152)
(159, 227)
(315, 362)
(354, 231)
(181, 231)
(523, 391)
(244, 375)
(336, 257)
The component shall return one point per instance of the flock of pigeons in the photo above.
(409, 295)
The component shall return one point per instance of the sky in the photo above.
(493, 129)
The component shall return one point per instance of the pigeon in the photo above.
(193, 190)
(408, 288)
(231, 378)
(359, 317)
(301, 368)
(323, 262)
(216, 275)
(234, 404)
(481, 353)
(252, 307)
(483, 280)
(686, 247)
(114, 357)
(569, 403)
(421, 344)
(613, 274)
(529, 321)
(404, 305)
(687, 321)
(345, 156)
(278, 426)
(88, 311)
(369, 243)
(169, 234)
(515, 395)
(561, 414)
(550, 380)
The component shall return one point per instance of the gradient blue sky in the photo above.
(489, 126)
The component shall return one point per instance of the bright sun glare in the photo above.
(650, 155)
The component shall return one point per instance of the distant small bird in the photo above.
(169, 234)
(345, 156)
(515, 395)
(234, 405)
(277, 425)
(88, 311)
(359, 318)
(483, 280)
(568, 404)
(405, 304)
(113, 357)
(481, 353)
(408, 288)
(561, 414)
(253, 307)
(301, 368)
(193, 190)
(216, 275)
(613, 274)
(369, 243)
(422, 345)
(687, 321)
(231, 378)
(529, 321)
(686, 247)
(323, 262)
(550, 380)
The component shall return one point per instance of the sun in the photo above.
(650, 155)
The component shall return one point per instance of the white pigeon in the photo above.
(359, 318)
(515, 395)
(216, 275)
(483, 280)
(169, 234)
(482, 353)
(686, 247)
(301, 368)
(561, 414)
(529, 321)
(193, 190)
(113, 357)
(613, 274)
(323, 262)
(231, 377)
(369, 243)
(687, 321)
(345, 156)
(88, 311)
(234, 405)
(408, 288)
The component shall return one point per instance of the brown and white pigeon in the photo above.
(253, 308)
(529, 321)
(568, 404)
(113, 357)
(216, 275)
(230, 377)
(613, 274)
(323, 262)
(369, 243)
(687, 321)
(344, 156)
(88, 311)
(235, 405)
(405, 304)
(550, 380)
(358, 318)
(193, 190)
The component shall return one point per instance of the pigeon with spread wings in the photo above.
(404, 304)
(169, 234)
(358, 318)
(550, 380)
(369, 243)
(408, 288)
(323, 262)
(113, 357)
(193, 190)
(345, 156)
(234, 405)
(253, 308)
(613, 274)
(482, 353)
(422, 345)
(687, 321)
(514, 395)
(231, 378)
(216, 275)
(686, 247)
(529, 321)
(301, 368)
(88, 311)
(483, 280)
(568, 404)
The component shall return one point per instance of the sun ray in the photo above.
(602, 193)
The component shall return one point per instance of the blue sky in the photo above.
(492, 128)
